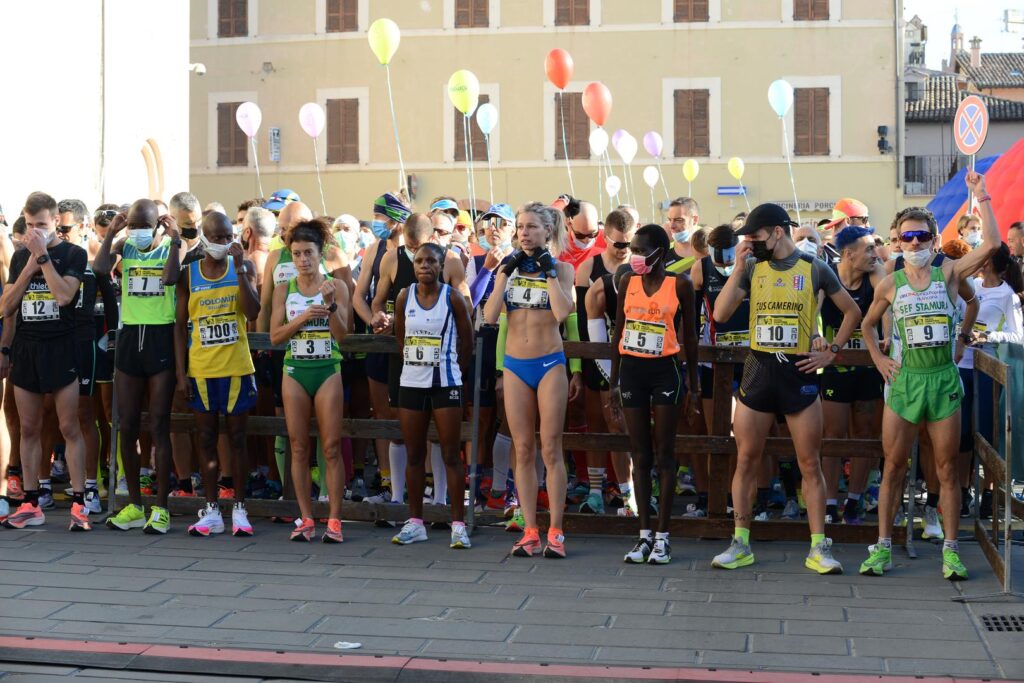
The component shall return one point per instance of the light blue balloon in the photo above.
(780, 97)
(487, 117)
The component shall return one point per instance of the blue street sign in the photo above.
(731, 190)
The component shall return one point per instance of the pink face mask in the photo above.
(639, 264)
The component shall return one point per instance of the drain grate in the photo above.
(1003, 623)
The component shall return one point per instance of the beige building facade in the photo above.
(287, 57)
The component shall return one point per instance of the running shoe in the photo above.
(147, 485)
(178, 493)
(5, 510)
(517, 523)
(460, 538)
(851, 512)
(900, 519)
(626, 511)
(240, 525)
(555, 547)
(93, 503)
(762, 515)
(820, 559)
(495, 500)
(333, 532)
(613, 496)
(543, 501)
(358, 489)
(304, 530)
(79, 519)
(952, 568)
(693, 511)
(594, 504)
(59, 471)
(511, 505)
(684, 483)
(131, 516)
(122, 487)
(640, 552)
(46, 499)
(225, 492)
(159, 521)
(932, 525)
(662, 552)
(870, 498)
(579, 492)
(792, 510)
(528, 545)
(966, 506)
(737, 555)
(879, 561)
(411, 532)
(210, 521)
(984, 508)
(27, 514)
(14, 490)
(382, 498)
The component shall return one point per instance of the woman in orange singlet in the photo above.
(656, 311)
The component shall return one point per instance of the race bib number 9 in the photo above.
(924, 331)
(524, 292)
(422, 351)
(39, 307)
(643, 337)
(217, 330)
(311, 345)
(777, 331)
(145, 281)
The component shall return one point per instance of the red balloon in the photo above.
(559, 67)
(597, 102)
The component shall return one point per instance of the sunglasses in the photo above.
(65, 229)
(586, 236)
(921, 235)
(620, 245)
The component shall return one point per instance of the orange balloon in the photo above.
(597, 102)
(559, 67)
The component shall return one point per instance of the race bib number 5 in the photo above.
(39, 306)
(924, 331)
(777, 331)
(524, 292)
(643, 337)
(422, 351)
(145, 281)
(217, 330)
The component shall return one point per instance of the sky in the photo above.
(982, 18)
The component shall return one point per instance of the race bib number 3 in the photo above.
(39, 306)
(217, 330)
(422, 351)
(777, 331)
(924, 331)
(311, 346)
(524, 292)
(643, 337)
(145, 281)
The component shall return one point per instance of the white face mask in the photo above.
(725, 270)
(808, 247)
(141, 237)
(973, 239)
(918, 259)
(893, 255)
(216, 251)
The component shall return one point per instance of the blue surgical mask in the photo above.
(681, 237)
(365, 239)
(506, 245)
(141, 237)
(380, 230)
(484, 244)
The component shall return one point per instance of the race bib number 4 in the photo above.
(524, 292)
(39, 306)
(924, 331)
(422, 351)
(145, 281)
(777, 331)
(217, 330)
(311, 345)
(643, 337)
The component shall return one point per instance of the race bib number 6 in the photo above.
(924, 331)
(145, 281)
(777, 331)
(422, 351)
(643, 337)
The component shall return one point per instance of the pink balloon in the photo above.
(248, 117)
(312, 119)
(617, 136)
(652, 143)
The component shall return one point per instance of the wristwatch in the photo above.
(966, 339)
(43, 259)
(176, 242)
(835, 349)
(333, 307)
(5, 350)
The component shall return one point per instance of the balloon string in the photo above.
(746, 201)
(600, 186)
(632, 186)
(490, 179)
(565, 144)
(661, 175)
(789, 164)
(394, 126)
(469, 163)
(689, 188)
(654, 213)
(316, 165)
(465, 145)
(256, 160)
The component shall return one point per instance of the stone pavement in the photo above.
(426, 600)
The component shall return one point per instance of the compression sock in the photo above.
(398, 458)
(742, 534)
(816, 539)
(951, 545)
(440, 475)
(78, 497)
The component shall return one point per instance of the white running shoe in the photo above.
(240, 525)
(932, 525)
(92, 502)
(640, 552)
(662, 552)
(694, 512)
(381, 498)
(210, 522)
(122, 487)
(411, 533)
(460, 538)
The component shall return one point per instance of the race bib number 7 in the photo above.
(777, 331)
(643, 337)
(144, 281)
(924, 331)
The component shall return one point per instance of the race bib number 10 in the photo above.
(777, 331)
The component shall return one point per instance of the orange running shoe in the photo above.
(333, 533)
(14, 491)
(178, 493)
(27, 514)
(79, 520)
(225, 493)
(556, 544)
(528, 545)
(305, 530)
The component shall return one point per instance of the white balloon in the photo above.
(612, 185)
(650, 176)
(486, 117)
(248, 117)
(312, 119)
(780, 97)
(598, 141)
(627, 148)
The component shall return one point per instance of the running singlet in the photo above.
(924, 320)
(650, 329)
(783, 306)
(218, 345)
(85, 321)
(145, 300)
(313, 345)
(524, 292)
(285, 270)
(735, 331)
(39, 316)
(832, 318)
(430, 356)
(405, 276)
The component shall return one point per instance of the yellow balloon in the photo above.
(690, 170)
(736, 168)
(464, 91)
(384, 37)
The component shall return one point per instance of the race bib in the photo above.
(311, 345)
(643, 337)
(422, 351)
(732, 338)
(145, 281)
(81, 294)
(39, 306)
(283, 272)
(524, 292)
(856, 341)
(217, 330)
(777, 331)
(924, 331)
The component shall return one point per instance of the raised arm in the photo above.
(990, 238)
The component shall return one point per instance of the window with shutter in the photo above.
(343, 131)
(810, 10)
(810, 122)
(342, 16)
(472, 14)
(476, 140)
(692, 123)
(232, 144)
(690, 10)
(577, 126)
(232, 18)
(572, 12)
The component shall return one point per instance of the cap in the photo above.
(348, 220)
(278, 200)
(446, 205)
(846, 208)
(502, 211)
(765, 216)
(464, 220)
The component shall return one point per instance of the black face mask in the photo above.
(760, 250)
(190, 233)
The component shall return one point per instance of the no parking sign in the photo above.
(970, 125)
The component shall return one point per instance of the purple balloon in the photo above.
(616, 136)
(652, 143)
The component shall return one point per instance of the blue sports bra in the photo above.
(528, 293)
